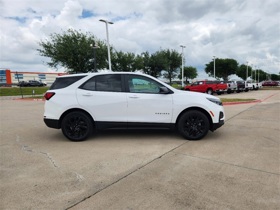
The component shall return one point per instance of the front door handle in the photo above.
(133, 97)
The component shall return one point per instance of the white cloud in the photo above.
(245, 30)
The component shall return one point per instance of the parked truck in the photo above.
(251, 85)
(241, 86)
(235, 86)
(208, 86)
(231, 86)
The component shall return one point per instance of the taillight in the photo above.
(48, 95)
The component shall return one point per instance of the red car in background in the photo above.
(207, 86)
(270, 83)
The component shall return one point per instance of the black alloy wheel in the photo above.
(193, 125)
(76, 126)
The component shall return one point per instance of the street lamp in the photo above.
(247, 71)
(94, 47)
(214, 67)
(182, 64)
(108, 46)
(256, 73)
(251, 77)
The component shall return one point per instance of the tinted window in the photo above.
(62, 82)
(139, 84)
(108, 83)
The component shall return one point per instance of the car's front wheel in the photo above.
(76, 126)
(193, 125)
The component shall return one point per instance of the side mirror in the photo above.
(164, 90)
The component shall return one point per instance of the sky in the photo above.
(244, 30)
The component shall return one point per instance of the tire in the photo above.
(193, 125)
(76, 126)
(209, 91)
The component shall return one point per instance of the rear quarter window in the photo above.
(106, 83)
(63, 82)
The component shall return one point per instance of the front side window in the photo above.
(140, 84)
(107, 83)
(197, 83)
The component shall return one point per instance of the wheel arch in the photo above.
(197, 109)
(72, 110)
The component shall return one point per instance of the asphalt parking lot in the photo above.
(235, 167)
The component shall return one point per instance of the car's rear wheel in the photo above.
(76, 126)
(193, 125)
(209, 91)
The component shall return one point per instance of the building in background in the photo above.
(9, 77)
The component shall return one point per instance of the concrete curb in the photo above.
(29, 99)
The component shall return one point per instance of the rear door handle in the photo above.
(87, 94)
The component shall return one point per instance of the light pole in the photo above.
(214, 67)
(252, 72)
(247, 71)
(258, 76)
(94, 47)
(256, 73)
(108, 46)
(182, 46)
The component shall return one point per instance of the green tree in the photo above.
(223, 67)
(275, 77)
(138, 63)
(74, 51)
(242, 71)
(261, 75)
(172, 63)
(189, 72)
(122, 61)
(145, 63)
(157, 62)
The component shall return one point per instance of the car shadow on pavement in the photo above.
(136, 134)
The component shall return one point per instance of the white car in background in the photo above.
(82, 103)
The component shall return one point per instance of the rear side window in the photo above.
(63, 82)
(107, 83)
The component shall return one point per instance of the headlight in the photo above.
(216, 101)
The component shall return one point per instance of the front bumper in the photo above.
(221, 122)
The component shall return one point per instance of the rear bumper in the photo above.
(51, 123)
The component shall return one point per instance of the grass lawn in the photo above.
(237, 99)
(17, 91)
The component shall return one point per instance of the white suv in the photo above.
(82, 103)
